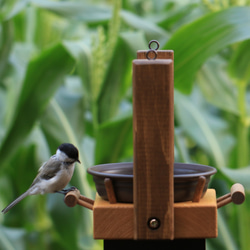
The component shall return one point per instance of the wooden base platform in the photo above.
(191, 219)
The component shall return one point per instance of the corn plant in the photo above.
(66, 76)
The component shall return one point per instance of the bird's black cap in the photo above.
(70, 150)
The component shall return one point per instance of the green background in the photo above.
(66, 76)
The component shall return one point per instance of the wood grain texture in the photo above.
(238, 193)
(197, 220)
(153, 124)
(71, 198)
(112, 221)
(191, 220)
(161, 54)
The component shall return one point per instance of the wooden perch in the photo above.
(237, 196)
(199, 189)
(110, 190)
(74, 197)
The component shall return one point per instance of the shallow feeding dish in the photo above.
(185, 180)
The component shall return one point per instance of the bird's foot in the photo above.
(65, 191)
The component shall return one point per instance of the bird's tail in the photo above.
(13, 203)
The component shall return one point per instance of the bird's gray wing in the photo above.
(48, 170)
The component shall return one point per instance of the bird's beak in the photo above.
(78, 161)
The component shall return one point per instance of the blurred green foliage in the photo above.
(66, 76)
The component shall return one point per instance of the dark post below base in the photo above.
(179, 244)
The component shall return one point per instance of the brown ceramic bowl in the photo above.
(185, 180)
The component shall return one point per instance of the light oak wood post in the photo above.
(153, 125)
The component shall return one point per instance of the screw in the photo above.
(154, 223)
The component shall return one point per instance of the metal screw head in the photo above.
(154, 223)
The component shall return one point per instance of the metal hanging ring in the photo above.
(156, 42)
(151, 51)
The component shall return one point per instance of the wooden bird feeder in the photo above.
(152, 219)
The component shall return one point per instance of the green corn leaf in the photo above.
(116, 81)
(82, 54)
(9, 9)
(224, 241)
(216, 86)
(6, 42)
(194, 43)
(76, 10)
(12, 239)
(59, 210)
(207, 130)
(239, 65)
(113, 139)
(241, 175)
(44, 75)
(151, 30)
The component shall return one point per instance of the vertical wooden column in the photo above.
(153, 119)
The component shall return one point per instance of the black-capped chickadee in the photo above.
(53, 175)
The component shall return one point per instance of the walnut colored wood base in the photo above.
(191, 219)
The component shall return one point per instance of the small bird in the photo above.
(53, 175)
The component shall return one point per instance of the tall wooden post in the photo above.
(150, 222)
(153, 118)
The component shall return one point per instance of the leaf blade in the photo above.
(39, 85)
(203, 38)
